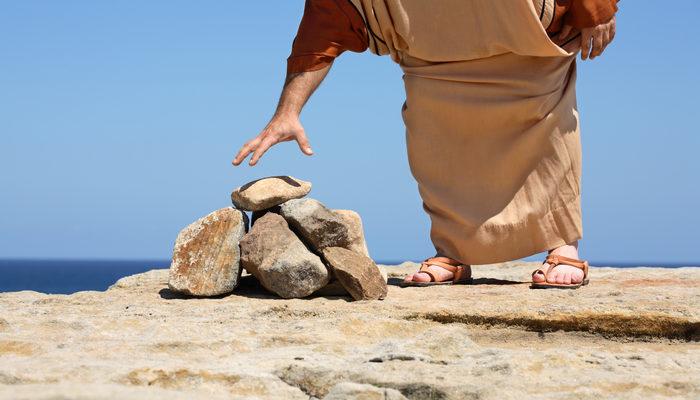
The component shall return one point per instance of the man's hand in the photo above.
(282, 128)
(593, 41)
(285, 125)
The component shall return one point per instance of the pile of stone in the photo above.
(295, 247)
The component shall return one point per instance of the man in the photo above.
(492, 128)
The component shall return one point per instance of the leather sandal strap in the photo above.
(554, 260)
(456, 267)
(424, 269)
(444, 260)
(451, 268)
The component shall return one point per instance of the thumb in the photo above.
(303, 142)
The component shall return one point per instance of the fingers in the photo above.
(598, 45)
(606, 40)
(303, 142)
(245, 150)
(586, 36)
(613, 29)
(595, 40)
(261, 149)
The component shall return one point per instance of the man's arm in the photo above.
(327, 29)
(285, 125)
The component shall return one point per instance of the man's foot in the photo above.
(441, 275)
(562, 274)
(439, 270)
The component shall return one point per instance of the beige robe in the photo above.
(492, 128)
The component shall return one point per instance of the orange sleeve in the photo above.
(589, 13)
(327, 29)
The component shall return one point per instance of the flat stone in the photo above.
(269, 192)
(358, 274)
(317, 225)
(206, 258)
(356, 232)
(280, 261)
(631, 333)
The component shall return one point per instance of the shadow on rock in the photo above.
(475, 281)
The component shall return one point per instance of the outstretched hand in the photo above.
(282, 128)
(593, 40)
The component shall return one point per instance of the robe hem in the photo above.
(558, 227)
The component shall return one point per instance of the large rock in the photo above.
(280, 261)
(356, 232)
(317, 225)
(358, 274)
(269, 192)
(632, 333)
(206, 258)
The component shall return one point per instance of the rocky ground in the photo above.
(632, 333)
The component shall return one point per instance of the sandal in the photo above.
(462, 273)
(553, 260)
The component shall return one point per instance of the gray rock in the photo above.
(356, 233)
(317, 225)
(358, 274)
(362, 391)
(280, 261)
(269, 192)
(206, 258)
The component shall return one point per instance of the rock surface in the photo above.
(358, 274)
(282, 263)
(268, 192)
(359, 391)
(356, 232)
(206, 258)
(632, 333)
(317, 225)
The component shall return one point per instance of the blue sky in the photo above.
(118, 121)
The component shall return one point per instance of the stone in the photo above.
(356, 233)
(631, 333)
(317, 225)
(269, 192)
(257, 214)
(280, 261)
(358, 274)
(206, 258)
(360, 391)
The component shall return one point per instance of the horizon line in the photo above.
(619, 264)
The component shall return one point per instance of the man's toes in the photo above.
(560, 277)
(538, 277)
(567, 278)
(441, 274)
(421, 277)
(576, 276)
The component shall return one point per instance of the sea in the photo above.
(70, 276)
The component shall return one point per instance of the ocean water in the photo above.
(66, 276)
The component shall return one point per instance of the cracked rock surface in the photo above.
(631, 333)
